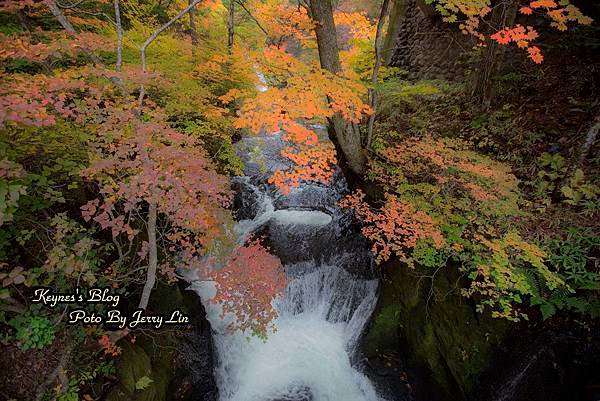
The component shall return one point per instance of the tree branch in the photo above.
(153, 37)
(119, 28)
(68, 6)
(64, 22)
(252, 16)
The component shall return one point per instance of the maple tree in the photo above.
(281, 21)
(560, 14)
(155, 167)
(248, 281)
(397, 226)
(159, 193)
(305, 93)
(442, 202)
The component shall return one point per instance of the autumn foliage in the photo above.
(304, 93)
(102, 186)
(149, 163)
(395, 228)
(560, 14)
(444, 202)
(250, 279)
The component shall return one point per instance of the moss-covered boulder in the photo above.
(438, 334)
(141, 377)
(150, 369)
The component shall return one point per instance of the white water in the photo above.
(320, 318)
(298, 217)
(322, 312)
(289, 217)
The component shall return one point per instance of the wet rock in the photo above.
(134, 364)
(444, 343)
(558, 361)
(179, 365)
(194, 379)
(246, 201)
(295, 393)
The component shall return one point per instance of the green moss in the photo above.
(166, 298)
(438, 333)
(383, 332)
(133, 364)
(150, 357)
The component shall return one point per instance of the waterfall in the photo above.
(321, 315)
(308, 357)
(330, 295)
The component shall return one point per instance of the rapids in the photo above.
(330, 296)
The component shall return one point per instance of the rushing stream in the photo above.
(330, 294)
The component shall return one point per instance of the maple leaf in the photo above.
(246, 286)
(525, 10)
(535, 54)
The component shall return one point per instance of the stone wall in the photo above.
(427, 47)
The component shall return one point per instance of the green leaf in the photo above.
(577, 177)
(547, 310)
(568, 192)
(143, 383)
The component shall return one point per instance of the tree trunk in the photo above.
(346, 135)
(590, 138)
(230, 25)
(375, 75)
(152, 257)
(427, 9)
(397, 16)
(583, 151)
(119, 28)
(503, 15)
(193, 30)
(64, 22)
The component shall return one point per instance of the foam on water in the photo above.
(308, 357)
(299, 217)
(321, 316)
(266, 212)
(324, 308)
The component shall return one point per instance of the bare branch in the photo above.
(64, 22)
(153, 37)
(69, 6)
(252, 16)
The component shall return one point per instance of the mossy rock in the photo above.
(151, 358)
(166, 298)
(133, 365)
(438, 333)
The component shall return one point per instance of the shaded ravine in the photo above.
(329, 298)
